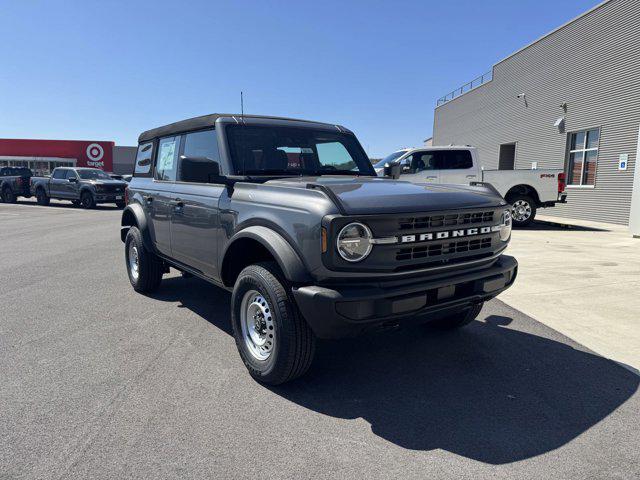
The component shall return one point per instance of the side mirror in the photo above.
(199, 170)
(392, 170)
(73, 180)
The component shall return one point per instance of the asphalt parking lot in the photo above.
(101, 382)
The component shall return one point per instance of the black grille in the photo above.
(451, 220)
(113, 189)
(448, 248)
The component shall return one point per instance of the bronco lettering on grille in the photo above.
(464, 232)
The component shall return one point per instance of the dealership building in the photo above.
(42, 156)
(570, 100)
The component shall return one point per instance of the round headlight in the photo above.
(505, 226)
(354, 242)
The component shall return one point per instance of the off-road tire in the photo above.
(457, 320)
(8, 196)
(76, 203)
(294, 345)
(42, 198)
(150, 267)
(514, 200)
(87, 200)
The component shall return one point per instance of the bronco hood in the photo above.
(371, 195)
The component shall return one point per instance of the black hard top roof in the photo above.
(205, 121)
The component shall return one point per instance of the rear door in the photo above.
(58, 183)
(419, 167)
(159, 199)
(456, 166)
(195, 225)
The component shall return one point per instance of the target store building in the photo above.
(42, 156)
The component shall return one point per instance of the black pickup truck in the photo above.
(290, 216)
(83, 186)
(14, 183)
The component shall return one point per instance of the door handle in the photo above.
(471, 176)
(178, 205)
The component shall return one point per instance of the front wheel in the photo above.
(458, 319)
(523, 210)
(143, 267)
(274, 341)
(42, 198)
(87, 200)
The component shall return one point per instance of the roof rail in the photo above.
(467, 87)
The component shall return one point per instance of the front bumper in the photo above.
(110, 197)
(341, 311)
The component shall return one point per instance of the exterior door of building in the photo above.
(507, 156)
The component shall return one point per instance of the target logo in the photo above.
(95, 152)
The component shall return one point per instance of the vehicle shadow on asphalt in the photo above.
(490, 391)
(544, 225)
(68, 205)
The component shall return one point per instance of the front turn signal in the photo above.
(324, 240)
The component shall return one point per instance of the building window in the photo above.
(582, 157)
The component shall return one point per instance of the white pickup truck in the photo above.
(526, 190)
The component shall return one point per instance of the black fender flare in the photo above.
(133, 215)
(86, 189)
(288, 260)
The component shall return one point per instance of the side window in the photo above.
(422, 161)
(335, 155)
(143, 160)
(70, 174)
(454, 159)
(59, 173)
(201, 148)
(167, 161)
(201, 144)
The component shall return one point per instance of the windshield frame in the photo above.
(346, 139)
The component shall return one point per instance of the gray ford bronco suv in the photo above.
(290, 216)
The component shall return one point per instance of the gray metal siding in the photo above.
(592, 64)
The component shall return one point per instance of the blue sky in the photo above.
(107, 70)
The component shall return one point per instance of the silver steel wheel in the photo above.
(521, 210)
(134, 261)
(258, 330)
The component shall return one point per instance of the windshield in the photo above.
(390, 158)
(91, 174)
(295, 151)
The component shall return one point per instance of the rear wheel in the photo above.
(87, 200)
(523, 210)
(42, 198)
(143, 267)
(8, 196)
(457, 320)
(274, 341)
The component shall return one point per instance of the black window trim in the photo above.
(181, 153)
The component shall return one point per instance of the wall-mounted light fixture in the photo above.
(524, 97)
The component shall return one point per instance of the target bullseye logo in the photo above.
(95, 152)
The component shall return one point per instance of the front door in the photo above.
(195, 214)
(419, 167)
